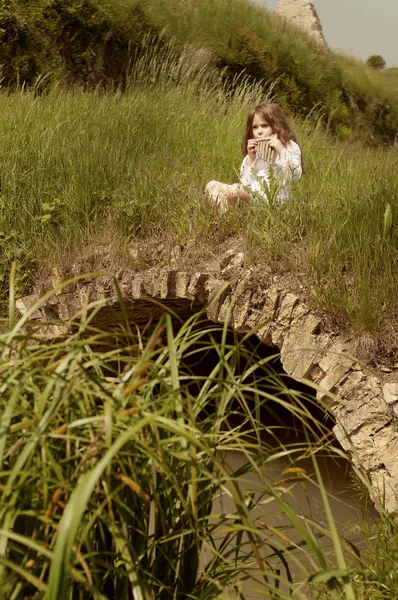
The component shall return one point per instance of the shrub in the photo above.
(376, 62)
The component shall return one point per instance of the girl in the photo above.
(258, 178)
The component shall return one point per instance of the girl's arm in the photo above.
(257, 184)
(245, 177)
(288, 162)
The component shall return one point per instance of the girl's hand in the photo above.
(251, 150)
(276, 144)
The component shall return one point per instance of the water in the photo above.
(351, 511)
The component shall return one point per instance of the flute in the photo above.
(264, 150)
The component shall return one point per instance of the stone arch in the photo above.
(365, 403)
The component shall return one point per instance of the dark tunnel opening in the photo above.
(269, 375)
(269, 378)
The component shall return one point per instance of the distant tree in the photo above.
(376, 62)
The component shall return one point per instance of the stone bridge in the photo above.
(364, 402)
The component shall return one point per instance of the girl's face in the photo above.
(261, 127)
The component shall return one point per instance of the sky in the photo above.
(359, 28)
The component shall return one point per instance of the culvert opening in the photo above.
(214, 343)
(282, 401)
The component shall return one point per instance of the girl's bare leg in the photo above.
(226, 196)
(218, 194)
(237, 194)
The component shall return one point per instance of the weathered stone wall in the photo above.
(303, 15)
(365, 403)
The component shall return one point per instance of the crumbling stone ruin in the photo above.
(302, 14)
(364, 402)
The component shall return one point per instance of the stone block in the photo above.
(193, 285)
(229, 256)
(389, 458)
(384, 490)
(241, 309)
(23, 305)
(342, 437)
(215, 287)
(153, 283)
(300, 311)
(198, 288)
(259, 296)
(278, 333)
(271, 304)
(370, 439)
(233, 265)
(84, 295)
(264, 331)
(181, 284)
(68, 306)
(336, 365)
(266, 316)
(334, 357)
(137, 288)
(352, 386)
(302, 349)
(163, 286)
(374, 411)
(222, 312)
(390, 393)
(286, 308)
(216, 291)
(252, 319)
(45, 333)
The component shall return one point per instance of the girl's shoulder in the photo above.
(293, 146)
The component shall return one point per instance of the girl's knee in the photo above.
(209, 186)
(217, 193)
(212, 189)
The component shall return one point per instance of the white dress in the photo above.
(261, 176)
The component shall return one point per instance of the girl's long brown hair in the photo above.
(272, 113)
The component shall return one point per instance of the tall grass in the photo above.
(75, 164)
(68, 159)
(249, 38)
(116, 479)
(94, 42)
(342, 226)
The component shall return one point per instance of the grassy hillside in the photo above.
(132, 160)
(81, 166)
(93, 42)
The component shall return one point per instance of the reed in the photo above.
(116, 478)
